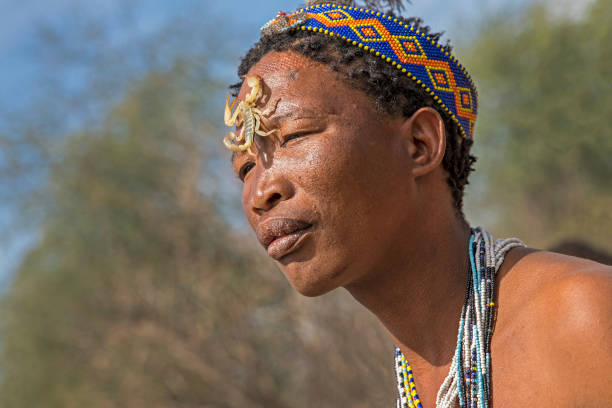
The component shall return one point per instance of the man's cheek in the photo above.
(246, 194)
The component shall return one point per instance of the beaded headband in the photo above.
(403, 46)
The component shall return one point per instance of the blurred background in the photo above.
(128, 275)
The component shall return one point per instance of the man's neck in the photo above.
(417, 295)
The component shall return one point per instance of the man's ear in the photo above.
(425, 136)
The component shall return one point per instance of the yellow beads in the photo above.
(406, 48)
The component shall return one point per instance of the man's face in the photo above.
(329, 193)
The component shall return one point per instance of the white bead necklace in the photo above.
(468, 383)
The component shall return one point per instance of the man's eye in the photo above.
(292, 136)
(245, 169)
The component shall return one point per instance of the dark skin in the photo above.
(383, 226)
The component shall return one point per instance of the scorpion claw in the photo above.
(228, 110)
(226, 141)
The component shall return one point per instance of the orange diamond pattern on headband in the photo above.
(406, 48)
(369, 30)
(441, 78)
(410, 47)
(336, 16)
(465, 99)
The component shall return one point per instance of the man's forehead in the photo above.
(278, 67)
(274, 62)
(292, 87)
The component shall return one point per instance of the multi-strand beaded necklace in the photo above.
(469, 379)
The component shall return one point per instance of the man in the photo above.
(352, 140)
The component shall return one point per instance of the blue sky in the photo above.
(20, 21)
(235, 20)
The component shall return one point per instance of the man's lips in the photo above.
(280, 235)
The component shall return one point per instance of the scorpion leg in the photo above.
(257, 124)
(262, 133)
(257, 127)
(268, 111)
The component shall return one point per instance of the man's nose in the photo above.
(271, 188)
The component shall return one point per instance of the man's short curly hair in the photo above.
(392, 94)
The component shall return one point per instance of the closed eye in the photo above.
(293, 136)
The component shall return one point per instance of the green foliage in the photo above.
(544, 139)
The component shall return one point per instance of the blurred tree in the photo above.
(544, 138)
(580, 249)
(140, 295)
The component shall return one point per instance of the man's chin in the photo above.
(312, 290)
(310, 283)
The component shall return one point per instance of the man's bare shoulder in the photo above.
(565, 310)
(574, 289)
(575, 302)
(530, 277)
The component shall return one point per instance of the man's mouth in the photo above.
(280, 236)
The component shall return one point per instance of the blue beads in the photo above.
(415, 54)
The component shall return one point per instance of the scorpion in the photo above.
(247, 116)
